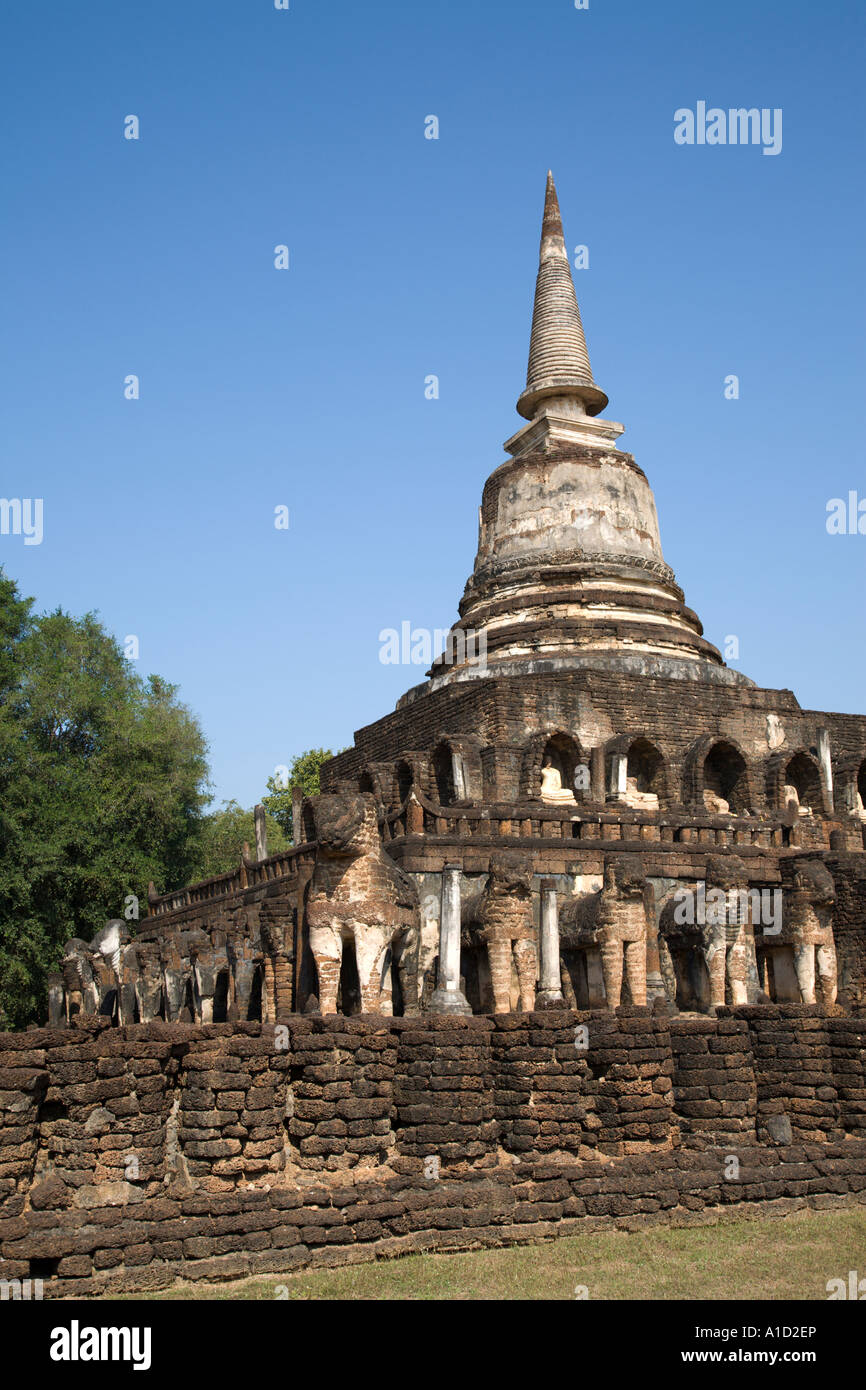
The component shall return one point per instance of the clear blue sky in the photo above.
(409, 257)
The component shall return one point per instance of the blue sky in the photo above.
(410, 257)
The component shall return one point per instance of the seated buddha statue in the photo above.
(551, 784)
(790, 794)
(715, 804)
(638, 800)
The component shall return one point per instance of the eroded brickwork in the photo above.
(132, 1157)
(849, 917)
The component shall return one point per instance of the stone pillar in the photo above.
(826, 769)
(753, 983)
(56, 1001)
(414, 815)
(297, 817)
(550, 983)
(618, 774)
(448, 998)
(655, 985)
(269, 992)
(457, 775)
(261, 833)
(597, 774)
(582, 783)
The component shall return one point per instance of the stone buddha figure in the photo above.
(715, 804)
(552, 789)
(640, 801)
(790, 794)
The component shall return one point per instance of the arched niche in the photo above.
(562, 752)
(256, 999)
(646, 765)
(645, 775)
(349, 989)
(405, 778)
(308, 821)
(442, 764)
(221, 997)
(801, 773)
(725, 774)
(682, 959)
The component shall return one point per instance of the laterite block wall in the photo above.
(133, 1157)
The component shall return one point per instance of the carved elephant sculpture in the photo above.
(501, 914)
(357, 894)
(614, 920)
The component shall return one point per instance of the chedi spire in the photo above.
(569, 573)
(559, 366)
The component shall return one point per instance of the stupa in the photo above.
(545, 817)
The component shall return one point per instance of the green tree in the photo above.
(15, 621)
(223, 835)
(103, 777)
(304, 772)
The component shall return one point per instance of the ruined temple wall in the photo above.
(235, 1103)
(846, 731)
(714, 1080)
(770, 1074)
(23, 1083)
(206, 1236)
(241, 910)
(94, 1099)
(797, 1094)
(849, 916)
(555, 1094)
(599, 706)
(260, 921)
(131, 1157)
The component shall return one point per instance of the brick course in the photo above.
(258, 1150)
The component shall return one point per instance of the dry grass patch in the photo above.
(788, 1257)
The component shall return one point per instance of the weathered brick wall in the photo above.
(849, 876)
(794, 1071)
(714, 1082)
(221, 1236)
(504, 714)
(444, 1101)
(848, 1059)
(229, 1105)
(340, 1092)
(131, 1157)
(23, 1082)
(557, 1095)
(271, 905)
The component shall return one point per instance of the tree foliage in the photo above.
(103, 777)
(304, 772)
(103, 788)
(223, 835)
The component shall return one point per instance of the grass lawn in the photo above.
(768, 1257)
